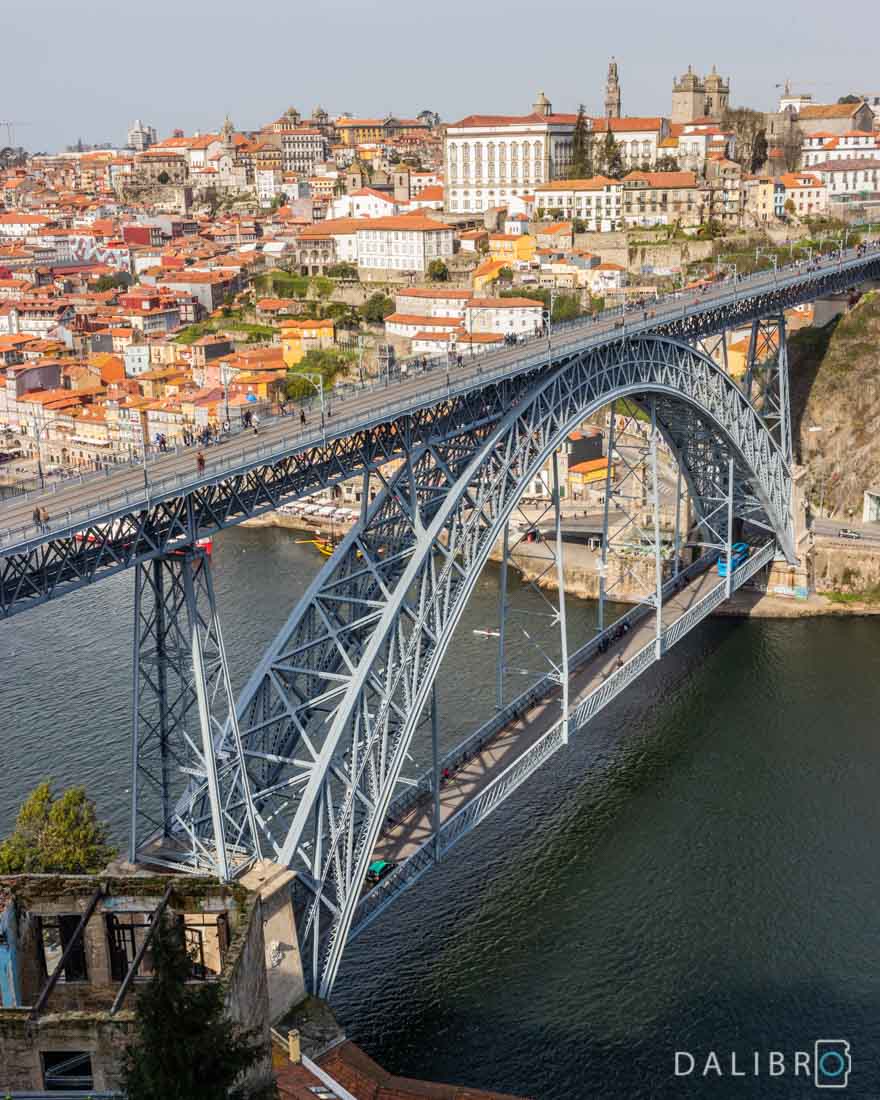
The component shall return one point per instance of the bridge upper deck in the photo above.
(73, 508)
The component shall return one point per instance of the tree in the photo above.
(666, 164)
(438, 272)
(343, 271)
(163, 177)
(759, 152)
(376, 308)
(322, 286)
(111, 282)
(565, 307)
(506, 274)
(746, 124)
(184, 1046)
(581, 148)
(611, 159)
(789, 206)
(56, 836)
(850, 99)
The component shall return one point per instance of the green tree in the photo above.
(581, 148)
(343, 271)
(323, 287)
(376, 308)
(184, 1045)
(610, 157)
(111, 282)
(56, 836)
(850, 99)
(438, 272)
(565, 307)
(666, 164)
(506, 274)
(163, 178)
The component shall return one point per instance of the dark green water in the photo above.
(698, 871)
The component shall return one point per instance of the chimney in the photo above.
(293, 1051)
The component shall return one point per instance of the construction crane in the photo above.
(10, 130)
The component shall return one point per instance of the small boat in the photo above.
(323, 546)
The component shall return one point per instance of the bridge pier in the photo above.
(191, 807)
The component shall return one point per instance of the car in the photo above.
(848, 533)
(739, 553)
(378, 869)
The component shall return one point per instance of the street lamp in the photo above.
(316, 381)
(39, 429)
(225, 375)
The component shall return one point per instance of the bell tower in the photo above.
(612, 92)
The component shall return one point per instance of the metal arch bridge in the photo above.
(304, 767)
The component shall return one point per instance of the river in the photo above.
(697, 871)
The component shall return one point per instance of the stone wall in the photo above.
(838, 568)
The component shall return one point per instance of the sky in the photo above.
(88, 68)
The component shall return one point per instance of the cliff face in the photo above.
(835, 387)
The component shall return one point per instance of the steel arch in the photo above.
(328, 716)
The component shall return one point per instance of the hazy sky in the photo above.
(71, 68)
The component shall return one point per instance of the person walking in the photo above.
(302, 416)
(255, 420)
(38, 519)
(44, 519)
(200, 462)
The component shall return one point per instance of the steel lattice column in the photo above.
(190, 806)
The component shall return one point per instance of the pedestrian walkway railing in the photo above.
(568, 339)
(465, 819)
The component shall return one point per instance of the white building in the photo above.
(140, 137)
(849, 178)
(428, 302)
(853, 145)
(505, 316)
(405, 243)
(596, 201)
(302, 149)
(489, 158)
(268, 184)
(363, 203)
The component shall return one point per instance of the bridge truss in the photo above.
(329, 714)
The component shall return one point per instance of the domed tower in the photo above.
(542, 106)
(717, 95)
(688, 97)
(612, 92)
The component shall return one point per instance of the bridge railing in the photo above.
(460, 823)
(490, 366)
(472, 745)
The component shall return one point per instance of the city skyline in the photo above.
(50, 79)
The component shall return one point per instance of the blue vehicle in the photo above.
(739, 553)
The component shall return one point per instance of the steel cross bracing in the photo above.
(114, 533)
(327, 718)
(190, 804)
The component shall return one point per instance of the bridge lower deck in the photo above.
(402, 838)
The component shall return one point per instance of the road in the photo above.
(168, 475)
(831, 528)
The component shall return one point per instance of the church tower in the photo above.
(612, 92)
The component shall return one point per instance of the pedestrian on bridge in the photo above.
(38, 522)
(200, 462)
(255, 420)
(44, 519)
(302, 416)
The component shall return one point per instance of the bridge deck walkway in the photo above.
(71, 506)
(404, 837)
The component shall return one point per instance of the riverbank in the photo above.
(582, 582)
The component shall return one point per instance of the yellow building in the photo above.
(511, 247)
(298, 337)
(487, 273)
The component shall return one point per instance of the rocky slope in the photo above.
(835, 386)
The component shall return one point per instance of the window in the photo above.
(125, 934)
(67, 1071)
(55, 934)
